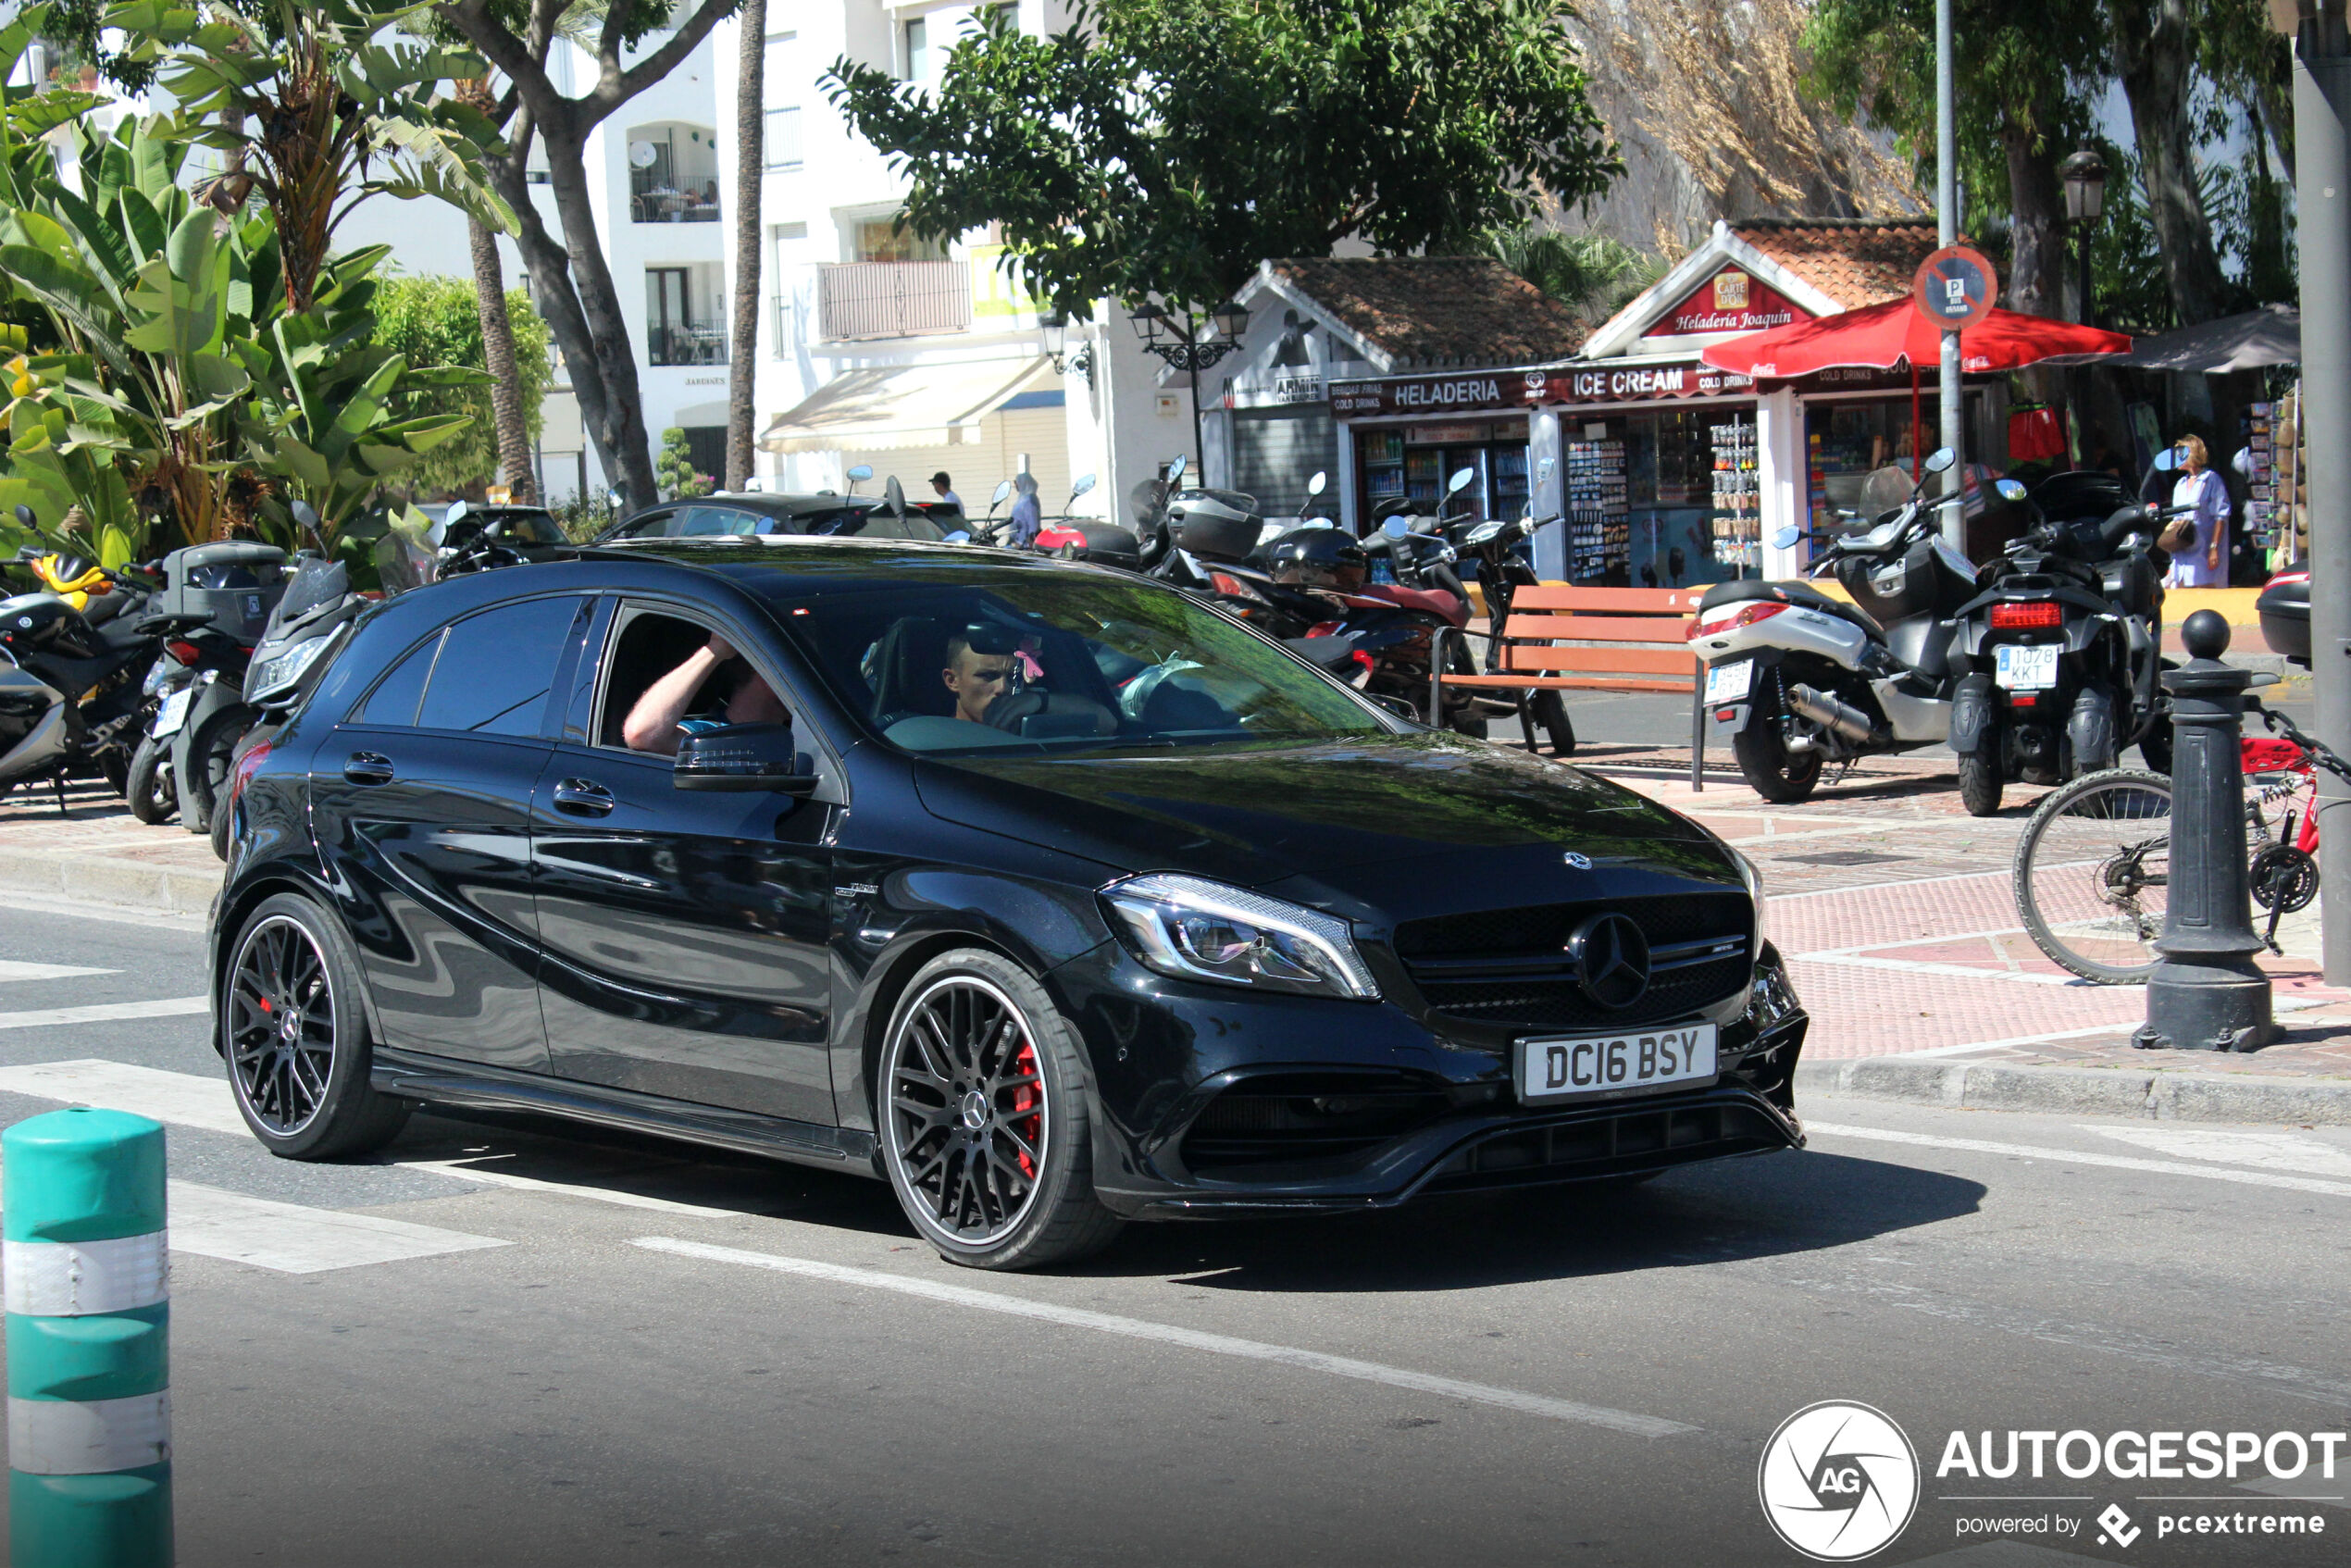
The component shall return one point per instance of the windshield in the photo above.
(1045, 662)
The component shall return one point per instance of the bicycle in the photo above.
(2091, 873)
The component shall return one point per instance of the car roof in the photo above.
(792, 567)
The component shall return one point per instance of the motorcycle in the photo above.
(227, 589)
(2058, 657)
(1800, 678)
(1501, 571)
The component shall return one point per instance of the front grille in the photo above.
(1278, 1119)
(1509, 966)
(1596, 1145)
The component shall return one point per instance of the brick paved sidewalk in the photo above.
(97, 851)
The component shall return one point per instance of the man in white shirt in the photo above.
(946, 489)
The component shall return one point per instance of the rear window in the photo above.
(393, 702)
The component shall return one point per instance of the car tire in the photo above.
(1980, 782)
(985, 1135)
(1780, 776)
(148, 791)
(301, 1082)
(211, 751)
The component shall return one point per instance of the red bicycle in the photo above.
(2093, 870)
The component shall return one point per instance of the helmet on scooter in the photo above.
(1326, 558)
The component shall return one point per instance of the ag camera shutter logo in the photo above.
(1838, 1481)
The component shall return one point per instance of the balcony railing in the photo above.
(894, 299)
(656, 196)
(687, 343)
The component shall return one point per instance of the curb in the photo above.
(2160, 1095)
(101, 879)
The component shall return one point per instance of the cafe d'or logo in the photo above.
(1838, 1481)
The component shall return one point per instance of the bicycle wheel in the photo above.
(2092, 875)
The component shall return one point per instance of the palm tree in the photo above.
(1591, 274)
(498, 339)
(751, 105)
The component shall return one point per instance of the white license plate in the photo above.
(2022, 668)
(1730, 683)
(173, 714)
(1582, 1066)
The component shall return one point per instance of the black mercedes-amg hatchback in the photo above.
(1050, 895)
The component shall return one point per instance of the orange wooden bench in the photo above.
(1563, 639)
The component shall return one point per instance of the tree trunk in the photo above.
(498, 358)
(2155, 55)
(751, 122)
(604, 362)
(2036, 229)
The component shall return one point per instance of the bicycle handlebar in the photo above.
(2318, 750)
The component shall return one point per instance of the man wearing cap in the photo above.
(947, 496)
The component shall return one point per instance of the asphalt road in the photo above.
(590, 1349)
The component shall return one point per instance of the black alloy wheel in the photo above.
(984, 1121)
(294, 1034)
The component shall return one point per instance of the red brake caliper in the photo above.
(1026, 1101)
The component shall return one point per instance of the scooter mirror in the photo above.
(1940, 459)
(612, 499)
(894, 497)
(1396, 527)
(1317, 523)
(1786, 539)
(2165, 461)
(1315, 486)
(2010, 490)
(1085, 483)
(861, 473)
(1461, 480)
(1175, 471)
(457, 509)
(307, 515)
(1543, 469)
(24, 515)
(1004, 492)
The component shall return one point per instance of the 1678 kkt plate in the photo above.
(1558, 1069)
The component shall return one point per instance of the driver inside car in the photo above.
(976, 679)
(652, 723)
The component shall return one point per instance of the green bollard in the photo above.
(81, 1242)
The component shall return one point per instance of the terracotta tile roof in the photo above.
(1855, 262)
(1439, 309)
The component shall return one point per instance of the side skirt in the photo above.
(436, 1080)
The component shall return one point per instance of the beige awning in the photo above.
(881, 409)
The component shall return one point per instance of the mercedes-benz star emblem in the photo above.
(1578, 861)
(1611, 959)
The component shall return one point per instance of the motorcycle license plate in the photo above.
(1730, 683)
(2022, 668)
(173, 714)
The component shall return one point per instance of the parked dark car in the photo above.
(823, 514)
(1176, 926)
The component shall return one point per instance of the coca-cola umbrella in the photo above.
(1882, 336)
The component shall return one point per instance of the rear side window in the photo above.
(496, 668)
(393, 702)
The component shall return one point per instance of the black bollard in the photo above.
(2207, 994)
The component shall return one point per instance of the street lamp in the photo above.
(1184, 348)
(2084, 178)
(1056, 326)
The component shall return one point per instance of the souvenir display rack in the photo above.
(1598, 533)
(1737, 520)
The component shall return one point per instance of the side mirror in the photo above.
(1003, 493)
(2165, 461)
(449, 519)
(24, 515)
(307, 516)
(2010, 490)
(1786, 539)
(1396, 527)
(1315, 485)
(1175, 471)
(894, 497)
(1461, 480)
(1085, 483)
(743, 757)
(861, 473)
(1543, 469)
(1941, 459)
(613, 499)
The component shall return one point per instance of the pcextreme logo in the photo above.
(1838, 1481)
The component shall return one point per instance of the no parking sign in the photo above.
(1956, 288)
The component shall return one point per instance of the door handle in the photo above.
(368, 767)
(583, 797)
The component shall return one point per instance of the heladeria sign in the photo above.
(1731, 300)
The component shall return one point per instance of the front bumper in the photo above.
(1466, 1130)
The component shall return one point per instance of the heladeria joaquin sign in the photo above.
(1486, 390)
(1733, 300)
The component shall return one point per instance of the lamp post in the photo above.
(2322, 196)
(1056, 326)
(1184, 348)
(2084, 177)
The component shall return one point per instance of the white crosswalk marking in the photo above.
(181, 1099)
(2083, 1157)
(105, 1013)
(15, 969)
(2269, 1151)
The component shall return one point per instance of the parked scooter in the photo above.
(233, 585)
(1501, 572)
(2058, 659)
(1800, 678)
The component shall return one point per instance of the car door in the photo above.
(423, 793)
(686, 934)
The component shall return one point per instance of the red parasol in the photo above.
(1882, 336)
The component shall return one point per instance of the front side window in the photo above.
(496, 668)
(1046, 661)
(665, 672)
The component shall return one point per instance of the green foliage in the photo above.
(673, 468)
(437, 320)
(1591, 274)
(1166, 147)
(2126, 262)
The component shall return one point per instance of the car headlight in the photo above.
(1752, 874)
(1195, 930)
(281, 670)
